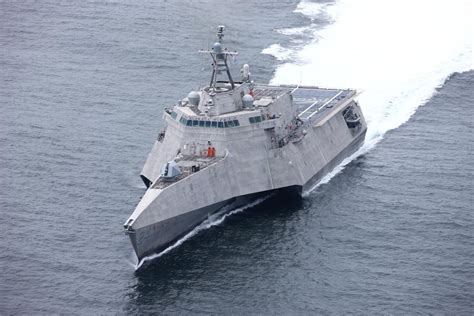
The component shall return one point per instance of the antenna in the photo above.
(219, 59)
(220, 33)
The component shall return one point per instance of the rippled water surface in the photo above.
(82, 89)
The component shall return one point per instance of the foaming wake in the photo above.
(313, 10)
(279, 52)
(213, 220)
(397, 51)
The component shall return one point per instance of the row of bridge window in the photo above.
(214, 124)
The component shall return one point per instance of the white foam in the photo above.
(294, 31)
(397, 51)
(277, 51)
(214, 220)
(312, 10)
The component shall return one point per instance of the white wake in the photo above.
(396, 51)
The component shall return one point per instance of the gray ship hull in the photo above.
(232, 141)
(348, 151)
(158, 236)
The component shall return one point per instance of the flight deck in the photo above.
(311, 102)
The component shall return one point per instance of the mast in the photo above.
(219, 57)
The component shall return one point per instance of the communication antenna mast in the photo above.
(219, 57)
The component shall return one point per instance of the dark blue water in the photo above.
(82, 89)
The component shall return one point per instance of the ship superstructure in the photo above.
(232, 140)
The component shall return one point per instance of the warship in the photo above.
(234, 140)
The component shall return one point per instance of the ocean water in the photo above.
(82, 89)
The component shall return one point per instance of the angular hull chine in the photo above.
(158, 236)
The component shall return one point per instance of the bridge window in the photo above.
(195, 122)
(236, 123)
(214, 124)
(255, 119)
(201, 123)
(189, 123)
(174, 115)
(208, 123)
(220, 124)
(231, 123)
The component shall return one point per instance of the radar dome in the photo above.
(193, 98)
(247, 101)
(217, 48)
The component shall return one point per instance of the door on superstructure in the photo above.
(272, 141)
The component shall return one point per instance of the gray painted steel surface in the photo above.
(290, 137)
